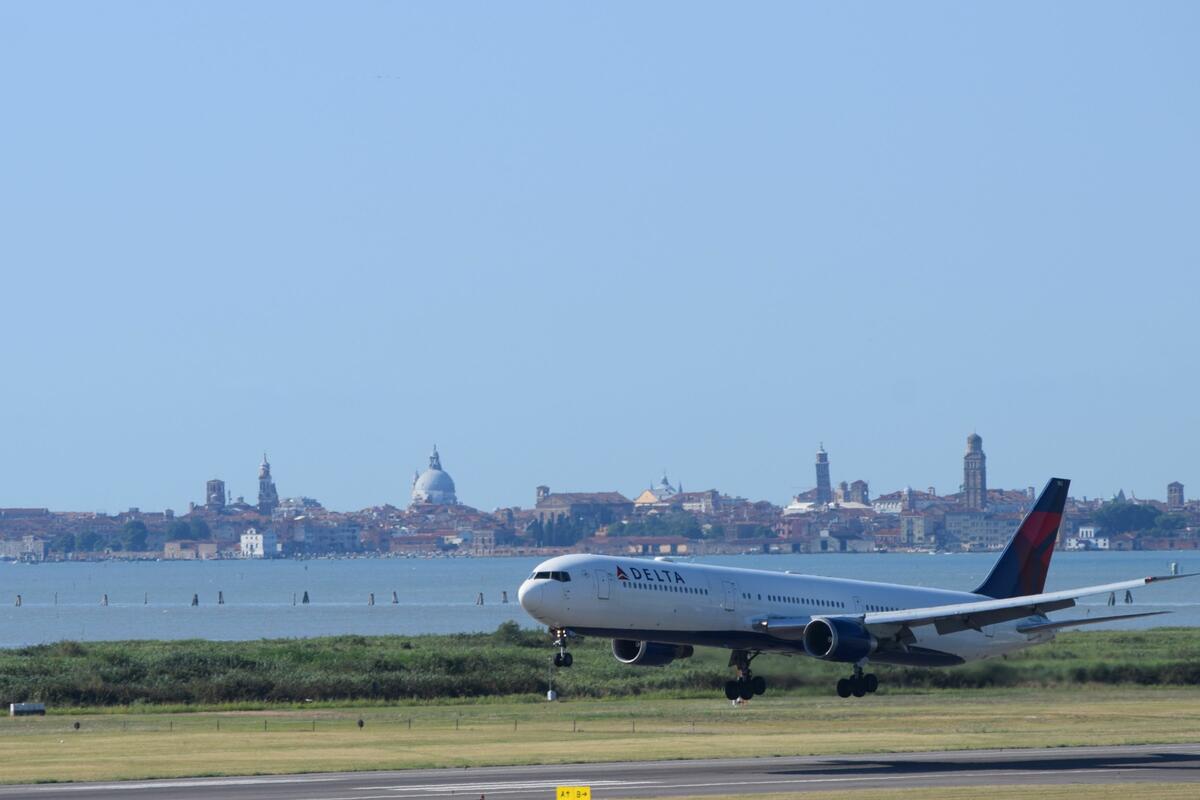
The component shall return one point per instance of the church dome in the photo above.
(434, 485)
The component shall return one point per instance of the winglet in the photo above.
(1022, 567)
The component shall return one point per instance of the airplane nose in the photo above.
(530, 596)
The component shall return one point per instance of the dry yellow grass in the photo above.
(117, 746)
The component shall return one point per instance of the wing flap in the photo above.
(976, 621)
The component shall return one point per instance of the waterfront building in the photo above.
(27, 548)
(268, 497)
(312, 536)
(434, 486)
(189, 550)
(975, 474)
(976, 530)
(916, 529)
(859, 493)
(255, 544)
(1088, 538)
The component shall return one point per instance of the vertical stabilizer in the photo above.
(1022, 567)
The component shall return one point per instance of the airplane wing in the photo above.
(973, 616)
(1071, 623)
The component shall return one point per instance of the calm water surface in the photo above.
(152, 600)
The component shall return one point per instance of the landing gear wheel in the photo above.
(843, 688)
(871, 683)
(747, 684)
(858, 687)
(562, 658)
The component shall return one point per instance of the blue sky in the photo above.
(576, 245)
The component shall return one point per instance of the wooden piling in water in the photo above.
(395, 599)
(371, 599)
(220, 598)
(195, 600)
(304, 599)
(18, 601)
(104, 599)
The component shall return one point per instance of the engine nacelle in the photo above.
(649, 654)
(837, 639)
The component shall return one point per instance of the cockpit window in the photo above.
(564, 577)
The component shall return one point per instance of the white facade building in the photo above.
(259, 545)
(1087, 538)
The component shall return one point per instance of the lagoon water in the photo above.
(152, 600)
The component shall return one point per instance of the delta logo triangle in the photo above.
(621, 576)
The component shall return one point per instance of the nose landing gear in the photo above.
(562, 658)
(747, 684)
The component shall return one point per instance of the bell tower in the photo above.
(824, 487)
(975, 474)
(268, 497)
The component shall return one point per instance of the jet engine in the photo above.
(836, 639)
(649, 654)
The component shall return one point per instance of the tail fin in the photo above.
(1023, 565)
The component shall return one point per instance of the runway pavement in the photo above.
(1132, 764)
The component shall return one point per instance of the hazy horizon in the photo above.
(581, 245)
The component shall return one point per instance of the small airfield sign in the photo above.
(574, 793)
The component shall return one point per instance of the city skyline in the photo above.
(574, 250)
(218, 491)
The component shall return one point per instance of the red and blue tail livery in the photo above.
(1022, 567)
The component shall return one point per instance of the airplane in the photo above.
(657, 611)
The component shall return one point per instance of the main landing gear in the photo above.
(857, 684)
(747, 684)
(562, 658)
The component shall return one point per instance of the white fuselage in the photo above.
(698, 604)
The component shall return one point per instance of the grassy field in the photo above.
(142, 745)
(512, 662)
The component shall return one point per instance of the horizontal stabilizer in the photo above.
(1071, 623)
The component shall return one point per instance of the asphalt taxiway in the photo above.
(653, 779)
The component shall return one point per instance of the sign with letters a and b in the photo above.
(574, 793)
